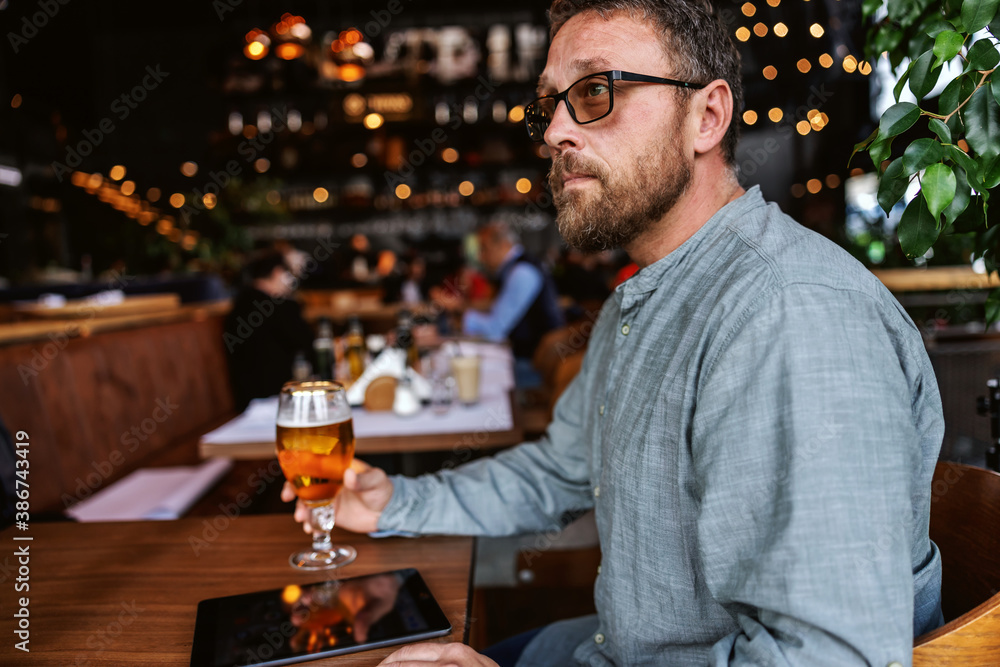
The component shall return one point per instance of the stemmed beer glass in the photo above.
(315, 448)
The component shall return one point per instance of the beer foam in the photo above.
(298, 423)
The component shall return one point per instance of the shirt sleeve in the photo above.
(804, 447)
(521, 289)
(524, 489)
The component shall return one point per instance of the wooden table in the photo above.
(127, 593)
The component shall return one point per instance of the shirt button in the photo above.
(600, 410)
(625, 329)
(895, 664)
(599, 638)
(597, 491)
(598, 569)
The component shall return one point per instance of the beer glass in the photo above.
(315, 448)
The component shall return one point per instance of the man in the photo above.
(756, 421)
(264, 331)
(526, 306)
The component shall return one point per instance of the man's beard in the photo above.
(625, 204)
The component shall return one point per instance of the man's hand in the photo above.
(443, 655)
(366, 492)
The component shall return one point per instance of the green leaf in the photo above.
(983, 55)
(880, 151)
(970, 166)
(862, 145)
(920, 154)
(898, 119)
(994, 25)
(897, 90)
(938, 188)
(923, 77)
(990, 171)
(918, 229)
(892, 185)
(982, 123)
(993, 306)
(954, 94)
(940, 129)
(995, 89)
(947, 45)
(972, 219)
(869, 7)
(977, 14)
(963, 195)
(935, 26)
(919, 44)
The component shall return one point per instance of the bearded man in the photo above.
(756, 422)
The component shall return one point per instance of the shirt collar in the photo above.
(516, 251)
(649, 278)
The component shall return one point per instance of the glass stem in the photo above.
(322, 522)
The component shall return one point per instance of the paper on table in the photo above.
(151, 493)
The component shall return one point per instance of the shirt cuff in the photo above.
(404, 506)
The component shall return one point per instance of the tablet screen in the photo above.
(296, 623)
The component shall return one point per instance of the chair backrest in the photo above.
(965, 524)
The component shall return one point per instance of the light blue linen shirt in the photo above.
(756, 424)
(520, 290)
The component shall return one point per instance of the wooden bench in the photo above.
(98, 406)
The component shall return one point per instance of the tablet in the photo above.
(298, 623)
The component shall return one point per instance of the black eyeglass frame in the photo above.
(612, 76)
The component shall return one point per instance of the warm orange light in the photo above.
(15, 101)
(128, 187)
(373, 121)
(857, 171)
(353, 36)
(337, 45)
(291, 594)
(803, 127)
(177, 200)
(749, 9)
(153, 194)
(466, 188)
(403, 191)
(816, 30)
(803, 65)
(865, 67)
(775, 114)
(289, 50)
(209, 200)
(164, 226)
(189, 241)
(770, 72)
(749, 116)
(813, 185)
(833, 181)
(449, 155)
(850, 64)
(742, 34)
(249, 131)
(760, 30)
(351, 72)
(261, 165)
(273, 197)
(774, 3)
(516, 114)
(189, 168)
(798, 190)
(117, 172)
(359, 160)
(523, 186)
(826, 60)
(321, 195)
(255, 50)
(95, 181)
(79, 179)
(780, 29)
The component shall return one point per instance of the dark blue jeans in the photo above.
(507, 652)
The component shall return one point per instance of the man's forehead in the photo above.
(588, 43)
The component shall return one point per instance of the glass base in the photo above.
(311, 559)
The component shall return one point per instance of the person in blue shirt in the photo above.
(526, 306)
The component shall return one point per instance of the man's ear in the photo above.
(712, 111)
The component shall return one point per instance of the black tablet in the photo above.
(327, 618)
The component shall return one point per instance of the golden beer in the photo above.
(314, 458)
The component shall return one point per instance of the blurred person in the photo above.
(264, 330)
(413, 290)
(526, 306)
(756, 421)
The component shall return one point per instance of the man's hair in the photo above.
(693, 38)
(263, 265)
(500, 231)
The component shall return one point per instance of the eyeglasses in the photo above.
(589, 99)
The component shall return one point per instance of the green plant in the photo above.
(957, 161)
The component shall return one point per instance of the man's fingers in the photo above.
(415, 653)
(360, 481)
(288, 492)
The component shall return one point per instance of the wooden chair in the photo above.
(965, 524)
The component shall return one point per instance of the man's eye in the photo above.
(597, 89)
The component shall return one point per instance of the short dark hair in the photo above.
(693, 37)
(263, 265)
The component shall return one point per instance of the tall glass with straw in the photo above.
(315, 448)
